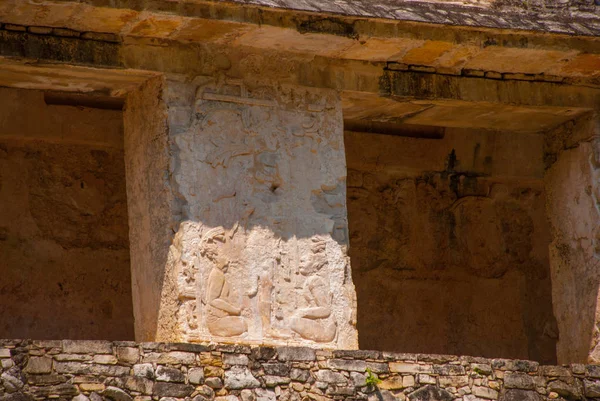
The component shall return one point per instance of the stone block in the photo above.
(235, 359)
(239, 377)
(330, 377)
(481, 368)
(139, 384)
(4, 353)
(273, 381)
(521, 395)
(426, 379)
(392, 383)
(430, 392)
(276, 369)
(592, 371)
(87, 347)
(167, 374)
(485, 392)
(569, 391)
(109, 370)
(295, 354)
(39, 365)
(348, 364)
(356, 354)
(214, 382)
(196, 375)
(45, 380)
(265, 394)
(10, 382)
(263, 353)
(300, 375)
(89, 387)
(73, 357)
(128, 354)
(448, 370)
(213, 371)
(591, 388)
(170, 358)
(358, 379)
(408, 381)
(453, 381)
(144, 370)
(402, 367)
(378, 367)
(116, 394)
(105, 359)
(515, 365)
(230, 397)
(554, 371)
(177, 390)
(519, 380)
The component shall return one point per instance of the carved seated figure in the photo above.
(315, 321)
(222, 315)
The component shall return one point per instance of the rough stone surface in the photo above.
(312, 379)
(431, 244)
(63, 222)
(264, 247)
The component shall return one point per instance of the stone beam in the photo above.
(570, 17)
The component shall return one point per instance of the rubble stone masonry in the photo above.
(121, 371)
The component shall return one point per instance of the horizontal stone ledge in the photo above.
(125, 370)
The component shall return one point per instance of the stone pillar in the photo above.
(150, 207)
(573, 198)
(260, 254)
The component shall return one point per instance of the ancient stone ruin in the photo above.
(299, 200)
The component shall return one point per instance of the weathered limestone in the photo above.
(236, 187)
(260, 253)
(264, 373)
(572, 183)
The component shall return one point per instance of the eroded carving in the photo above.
(252, 159)
(315, 322)
(223, 314)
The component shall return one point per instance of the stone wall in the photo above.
(449, 244)
(64, 270)
(124, 371)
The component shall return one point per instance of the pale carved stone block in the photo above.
(261, 253)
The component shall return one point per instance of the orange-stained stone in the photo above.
(106, 20)
(289, 40)
(426, 54)
(525, 61)
(376, 49)
(156, 27)
(583, 64)
(452, 61)
(205, 30)
(52, 14)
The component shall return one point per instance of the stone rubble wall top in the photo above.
(102, 370)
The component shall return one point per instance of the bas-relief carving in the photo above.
(314, 322)
(262, 174)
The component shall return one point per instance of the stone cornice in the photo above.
(570, 18)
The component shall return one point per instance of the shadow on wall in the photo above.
(64, 265)
(453, 261)
(252, 193)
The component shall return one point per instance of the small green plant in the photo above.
(478, 371)
(372, 380)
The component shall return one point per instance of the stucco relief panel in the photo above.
(261, 252)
